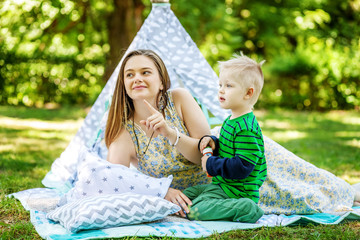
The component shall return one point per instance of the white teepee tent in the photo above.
(163, 33)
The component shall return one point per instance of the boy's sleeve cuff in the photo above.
(209, 166)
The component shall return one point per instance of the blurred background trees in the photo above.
(63, 51)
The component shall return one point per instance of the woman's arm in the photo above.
(193, 118)
(122, 150)
(195, 122)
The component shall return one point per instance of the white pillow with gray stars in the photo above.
(96, 176)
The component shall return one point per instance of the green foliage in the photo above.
(52, 51)
(57, 51)
(311, 47)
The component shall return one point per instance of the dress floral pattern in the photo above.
(162, 159)
(294, 186)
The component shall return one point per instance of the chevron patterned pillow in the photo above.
(111, 210)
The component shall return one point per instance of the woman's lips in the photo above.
(138, 87)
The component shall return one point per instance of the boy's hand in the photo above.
(203, 162)
(207, 141)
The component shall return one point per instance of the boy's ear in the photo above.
(249, 93)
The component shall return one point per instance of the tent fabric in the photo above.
(163, 33)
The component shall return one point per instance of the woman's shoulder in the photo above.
(180, 100)
(180, 95)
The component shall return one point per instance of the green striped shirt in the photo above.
(242, 137)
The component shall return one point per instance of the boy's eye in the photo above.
(228, 85)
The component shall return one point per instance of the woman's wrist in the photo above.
(177, 137)
(174, 136)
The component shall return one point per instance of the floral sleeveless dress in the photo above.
(161, 159)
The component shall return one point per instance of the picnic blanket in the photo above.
(173, 226)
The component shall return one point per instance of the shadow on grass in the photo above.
(24, 166)
(23, 159)
(63, 113)
(27, 151)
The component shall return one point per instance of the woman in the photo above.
(155, 129)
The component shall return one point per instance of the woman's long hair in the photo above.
(122, 107)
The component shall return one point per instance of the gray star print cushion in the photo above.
(96, 177)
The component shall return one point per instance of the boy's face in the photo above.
(231, 92)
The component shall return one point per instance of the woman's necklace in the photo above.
(137, 141)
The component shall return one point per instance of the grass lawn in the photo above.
(31, 139)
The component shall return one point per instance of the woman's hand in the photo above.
(156, 122)
(177, 197)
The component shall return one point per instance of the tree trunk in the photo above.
(123, 24)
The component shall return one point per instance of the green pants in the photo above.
(211, 203)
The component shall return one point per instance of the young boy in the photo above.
(238, 166)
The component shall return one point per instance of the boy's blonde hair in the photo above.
(247, 71)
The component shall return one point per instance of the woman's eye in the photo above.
(129, 75)
(146, 72)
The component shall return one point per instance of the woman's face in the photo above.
(141, 79)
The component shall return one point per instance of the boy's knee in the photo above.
(194, 191)
(248, 211)
(250, 203)
(190, 192)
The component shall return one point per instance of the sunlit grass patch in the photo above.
(19, 123)
(351, 176)
(289, 135)
(327, 140)
(352, 118)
